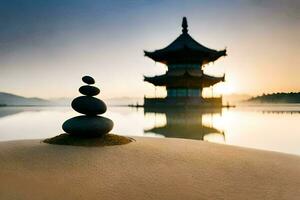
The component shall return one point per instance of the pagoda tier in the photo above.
(190, 78)
(185, 49)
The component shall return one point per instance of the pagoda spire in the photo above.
(184, 49)
(184, 25)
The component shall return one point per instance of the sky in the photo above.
(47, 46)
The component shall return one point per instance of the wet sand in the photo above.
(148, 168)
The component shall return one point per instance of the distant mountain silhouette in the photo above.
(8, 99)
(64, 101)
(277, 98)
(16, 100)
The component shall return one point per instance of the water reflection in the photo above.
(186, 123)
(18, 123)
(270, 127)
(6, 111)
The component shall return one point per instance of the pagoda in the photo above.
(184, 79)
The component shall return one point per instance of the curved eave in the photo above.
(211, 80)
(185, 80)
(216, 56)
(185, 55)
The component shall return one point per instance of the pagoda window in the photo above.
(182, 92)
(171, 92)
(193, 92)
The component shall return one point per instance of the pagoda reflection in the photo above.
(185, 123)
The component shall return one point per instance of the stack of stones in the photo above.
(89, 124)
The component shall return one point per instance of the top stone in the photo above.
(88, 80)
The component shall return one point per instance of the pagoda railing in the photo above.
(184, 101)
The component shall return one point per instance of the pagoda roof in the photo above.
(184, 49)
(184, 78)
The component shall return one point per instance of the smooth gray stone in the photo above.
(88, 105)
(88, 80)
(88, 126)
(89, 90)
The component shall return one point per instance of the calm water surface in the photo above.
(273, 127)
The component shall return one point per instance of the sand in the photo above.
(148, 168)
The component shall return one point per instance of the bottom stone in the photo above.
(106, 140)
(88, 126)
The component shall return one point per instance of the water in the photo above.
(273, 127)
